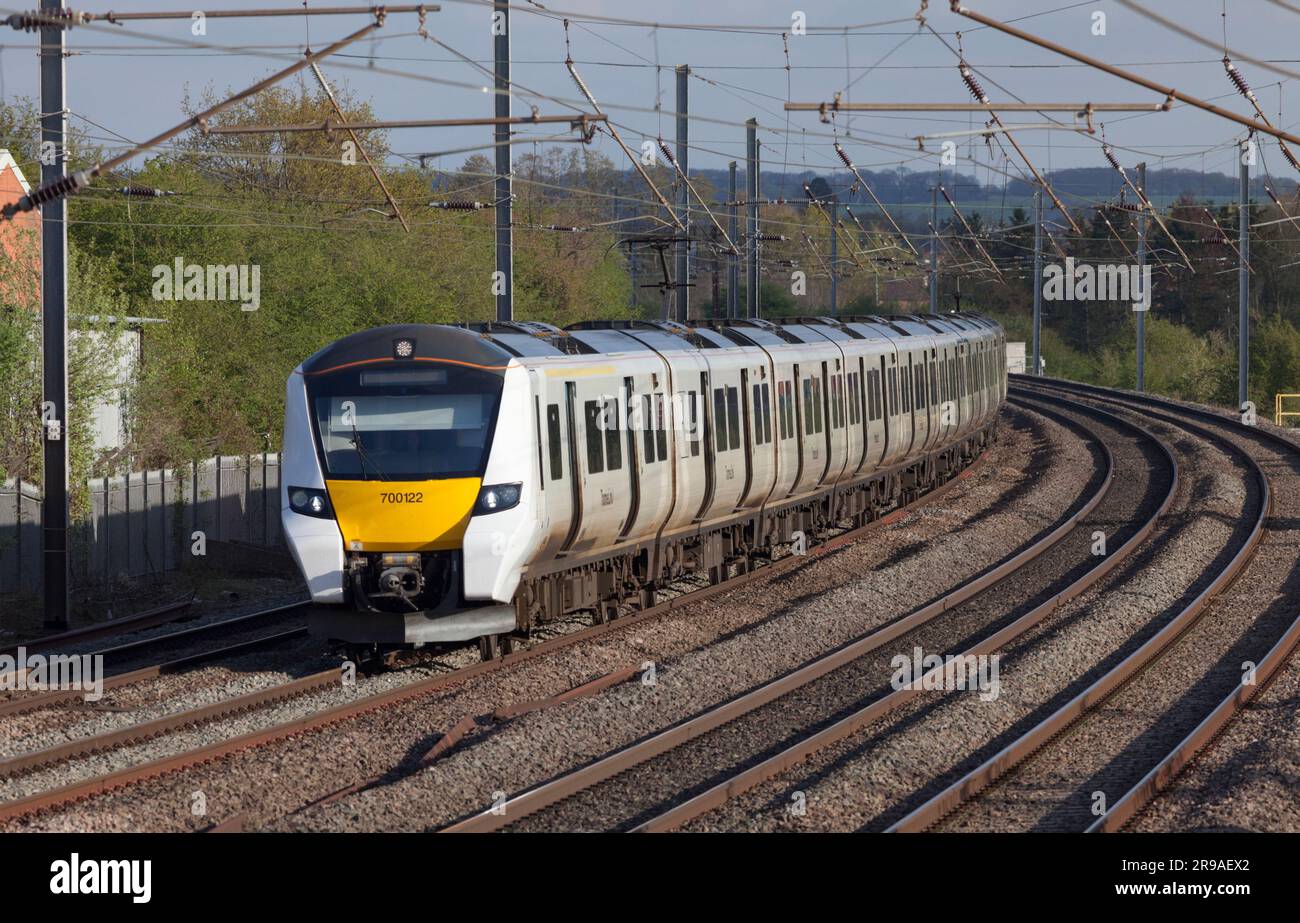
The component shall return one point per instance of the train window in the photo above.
(661, 431)
(807, 407)
(780, 411)
(694, 411)
(920, 387)
(790, 430)
(733, 418)
(648, 440)
(595, 451)
(934, 383)
(893, 391)
(906, 391)
(837, 401)
(553, 441)
(719, 419)
(758, 415)
(871, 394)
(817, 405)
(783, 405)
(613, 432)
(767, 412)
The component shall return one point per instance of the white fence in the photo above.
(143, 523)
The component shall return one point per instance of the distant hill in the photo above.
(910, 191)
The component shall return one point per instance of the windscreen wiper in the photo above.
(364, 456)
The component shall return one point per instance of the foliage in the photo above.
(94, 352)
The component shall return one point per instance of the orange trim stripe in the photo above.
(348, 365)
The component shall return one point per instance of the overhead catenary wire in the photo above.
(868, 142)
(73, 182)
(356, 140)
(966, 225)
(1169, 92)
(1146, 203)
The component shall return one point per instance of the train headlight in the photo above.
(496, 498)
(310, 501)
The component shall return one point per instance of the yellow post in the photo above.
(1278, 413)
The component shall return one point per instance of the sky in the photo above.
(128, 82)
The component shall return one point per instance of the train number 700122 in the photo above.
(409, 496)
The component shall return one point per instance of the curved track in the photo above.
(623, 777)
(1048, 741)
(318, 681)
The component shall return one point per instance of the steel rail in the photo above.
(147, 730)
(23, 703)
(585, 777)
(138, 622)
(120, 778)
(747, 779)
(1117, 678)
(1207, 731)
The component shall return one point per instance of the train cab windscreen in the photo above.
(404, 424)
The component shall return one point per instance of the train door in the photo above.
(575, 473)
(633, 457)
(859, 399)
(882, 407)
(800, 441)
(746, 436)
(920, 402)
(825, 410)
(906, 375)
(710, 456)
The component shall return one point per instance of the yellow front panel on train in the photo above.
(403, 515)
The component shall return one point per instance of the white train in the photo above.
(450, 483)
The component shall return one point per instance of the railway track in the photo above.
(156, 648)
(140, 621)
(321, 718)
(1187, 678)
(826, 704)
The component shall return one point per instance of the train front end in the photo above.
(397, 469)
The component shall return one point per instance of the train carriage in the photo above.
(447, 483)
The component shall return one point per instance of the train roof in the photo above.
(494, 343)
(409, 342)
